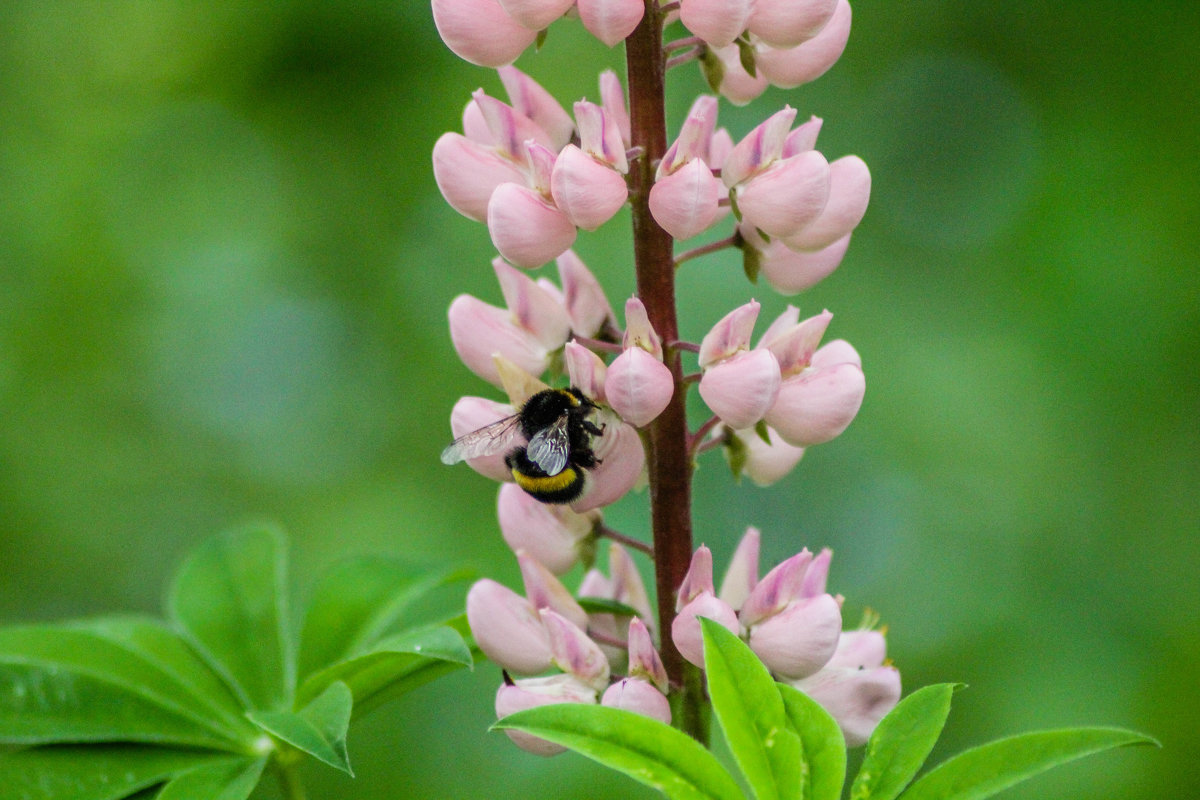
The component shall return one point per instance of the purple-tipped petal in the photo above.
(587, 306)
(698, 579)
(479, 331)
(644, 660)
(759, 148)
(742, 573)
(776, 590)
(730, 335)
(796, 346)
(533, 308)
(638, 331)
(545, 591)
(612, 97)
(573, 652)
(531, 99)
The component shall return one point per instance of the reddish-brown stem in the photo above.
(668, 461)
(684, 57)
(628, 541)
(705, 249)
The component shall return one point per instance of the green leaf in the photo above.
(602, 605)
(823, 744)
(750, 712)
(356, 603)
(712, 68)
(901, 743)
(65, 684)
(751, 262)
(747, 55)
(318, 729)
(96, 772)
(983, 771)
(229, 597)
(646, 750)
(232, 781)
(155, 643)
(396, 665)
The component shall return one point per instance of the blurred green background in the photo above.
(224, 269)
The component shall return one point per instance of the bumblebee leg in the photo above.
(593, 428)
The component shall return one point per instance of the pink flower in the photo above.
(717, 22)
(622, 460)
(787, 23)
(730, 77)
(638, 386)
(738, 384)
(552, 534)
(854, 686)
(536, 14)
(480, 331)
(640, 697)
(480, 32)
(472, 413)
(741, 576)
(685, 202)
(530, 99)
(793, 623)
(525, 228)
(849, 192)
(467, 173)
(793, 66)
(587, 191)
(764, 462)
(789, 271)
(531, 692)
(696, 599)
(787, 195)
(610, 21)
(574, 653)
(507, 628)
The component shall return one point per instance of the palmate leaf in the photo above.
(229, 597)
(318, 729)
(359, 602)
(823, 744)
(100, 772)
(983, 771)
(751, 714)
(646, 750)
(396, 665)
(901, 743)
(60, 684)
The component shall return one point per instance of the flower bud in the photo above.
(600, 136)
(467, 173)
(530, 98)
(573, 652)
(800, 639)
(533, 692)
(638, 386)
(685, 629)
(784, 197)
(697, 580)
(480, 32)
(776, 590)
(472, 413)
(551, 534)
(741, 389)
(638, 331)
(621, 458)
(644, 661)
(717, 22)
(787, 23)
(478, 331)
(790, 272)
(507, 628)
(588, 192)
(610, 21)
(535, 14)
(639, 697)
(627, 585)
(849, 193)
(685, 203)
(526, 229)
(796, 345)
(791, 67)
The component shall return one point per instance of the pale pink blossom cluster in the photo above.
(794, 625)
(548, 629)
(536, 175)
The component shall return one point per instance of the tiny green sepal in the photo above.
(747, 56)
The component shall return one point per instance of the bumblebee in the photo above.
(551, 465)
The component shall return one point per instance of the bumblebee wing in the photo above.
(549, 448)
(486, 441)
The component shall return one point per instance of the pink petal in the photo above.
(535, 14)
(685, 203)
(717, 22)
(467, 173)
(638, 386)
(787, 195)
(818, 404)
(526, 229)
(610, 21)
(588, 192)
(480, 32)
(849, 192)
(791, 67)
(741, 389)
(787, 23)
